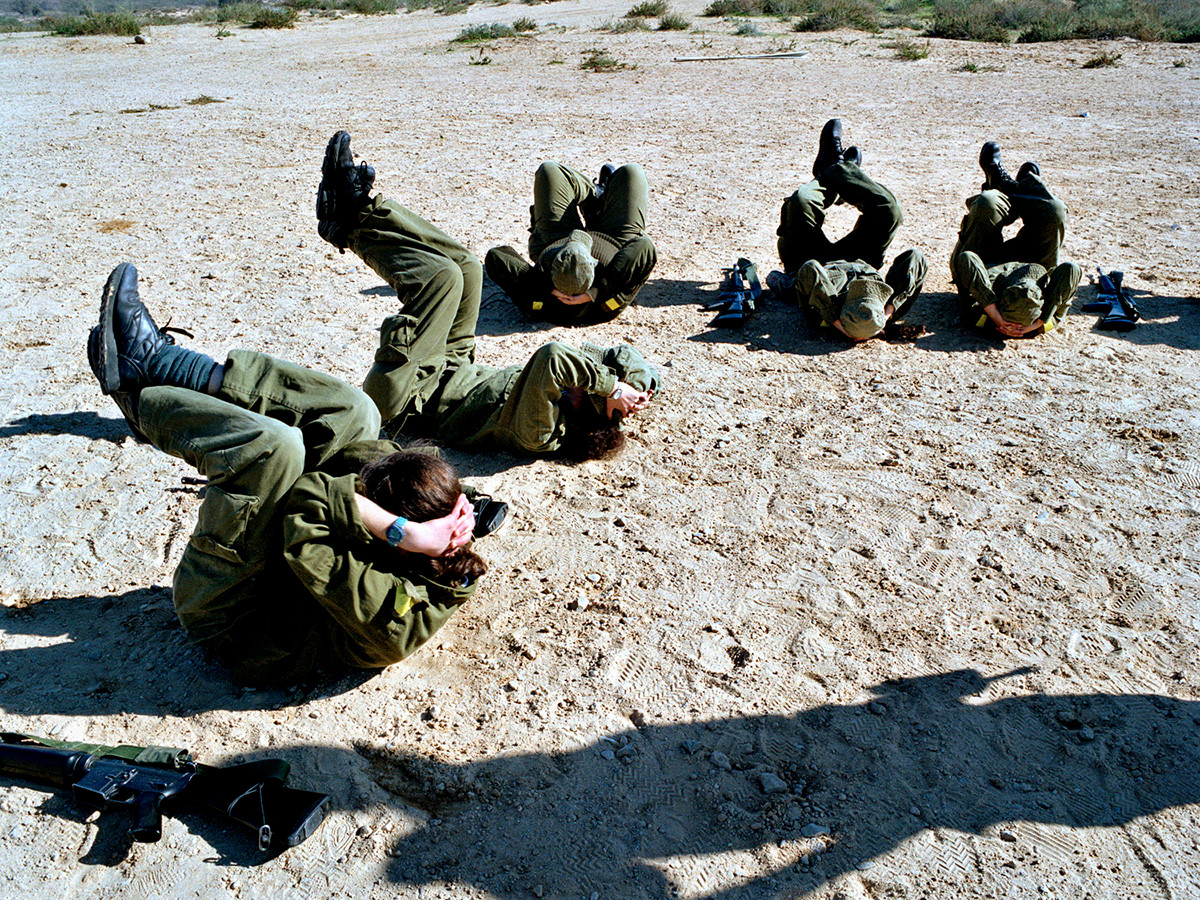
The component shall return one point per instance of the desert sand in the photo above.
(878, 621)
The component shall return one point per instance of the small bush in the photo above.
(674, 22)
(9, 24)
(274, 17)
(1103, 60)
(748, 29)
(624, 26)
(967, 20)
(725, 8)
(123, 23)
(371, 7)
(648, 9)
(258, 15)
(477, 34)
(910, 50)
(598, 60)
(524, 24)
(829, 15)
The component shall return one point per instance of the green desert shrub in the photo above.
(1103, 60)
(624, 26)
(477, 34)
(649, 9)
(910, 50)
(674, 22)
(524, 24)
(599, 60)
(119, 22)
(719, 8)
(967, 20)
(828, 15)
(372, 7)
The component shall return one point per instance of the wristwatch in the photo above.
(395, 531)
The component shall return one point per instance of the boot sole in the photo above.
(123, 277)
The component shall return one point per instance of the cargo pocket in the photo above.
(396, 337)
(222, 524)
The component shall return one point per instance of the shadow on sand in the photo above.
(924, 754)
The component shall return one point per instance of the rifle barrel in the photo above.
(46, 765)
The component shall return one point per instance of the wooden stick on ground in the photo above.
(795, 55)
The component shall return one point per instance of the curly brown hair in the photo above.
(596, 443)
(421, 486)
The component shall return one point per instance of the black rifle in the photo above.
(739, 296)
(1116, 307)
(254, 794)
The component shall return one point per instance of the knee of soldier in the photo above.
(1067, 274)
(806, 197)
(914, 259)
(446, 275)
(808, 275)
(361, 409)
(550, 357)
(630, 173)
(989, 205)
(963, 265)
(1057, 211)
(284, 452)
(545, 174)
(472, 268)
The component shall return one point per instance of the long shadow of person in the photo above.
(799, 799)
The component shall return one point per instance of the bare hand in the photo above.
(1005, 327)
(626, 400)
(444, 536)
(572, 299)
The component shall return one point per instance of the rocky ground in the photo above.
(885, 621)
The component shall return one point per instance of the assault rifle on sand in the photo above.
(144, 779)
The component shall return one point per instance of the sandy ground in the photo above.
(890, 621)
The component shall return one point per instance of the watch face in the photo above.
(395, 532)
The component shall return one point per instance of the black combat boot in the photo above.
(1028, 168)
(345, 188)
(121, 346)
(606, 173)
(996, 178)
(852, 155)
(829, 150)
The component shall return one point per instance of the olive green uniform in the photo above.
(425, 381)
(984, 265)
(831, 273)
(823, 290)
(564, 200)
(281, 574)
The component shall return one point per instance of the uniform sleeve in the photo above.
(628, 365)
(532, 415)
(383, 614)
